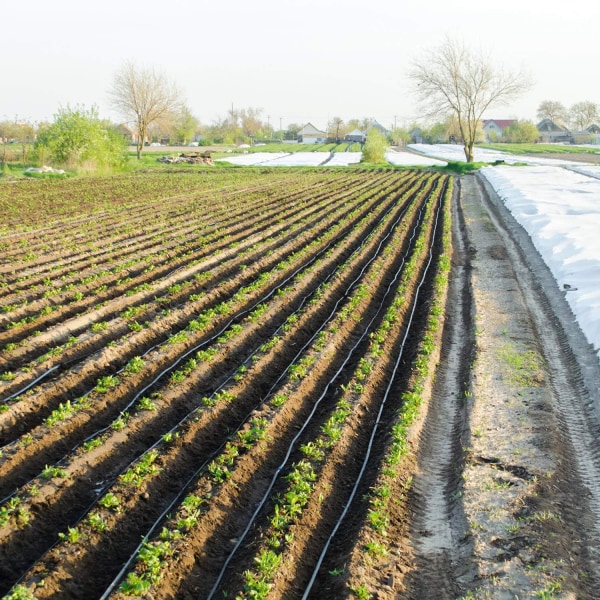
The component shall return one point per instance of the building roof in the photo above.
(549, 125)
(310, 129)
(501, 123)
(376, 125)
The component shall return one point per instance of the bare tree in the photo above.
(251, 123)
(583, 114)
(335, 127)
(144, 96)
(452, 80)
(555, 111)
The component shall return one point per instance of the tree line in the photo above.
(578, 117)
(454, 86)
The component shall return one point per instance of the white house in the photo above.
(493, 129)
(309, 134)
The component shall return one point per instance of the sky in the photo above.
(297, 61)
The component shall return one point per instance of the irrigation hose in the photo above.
(292, 445)
(147, 536)
(374, 431)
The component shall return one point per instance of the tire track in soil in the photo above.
(566, 439)
(437, 522)
(573, 374)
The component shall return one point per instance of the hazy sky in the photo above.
(301, 61)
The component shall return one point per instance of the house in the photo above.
(493, 129)
(356, 136)
(309, 134)
(128, 133)
(550, 132)
(594, 131)
(416, 135)
(379, 127)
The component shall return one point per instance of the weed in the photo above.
(523, 367)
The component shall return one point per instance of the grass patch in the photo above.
(460, 168)
(523, 367)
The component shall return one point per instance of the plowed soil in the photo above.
(205, 378)
(505, 500)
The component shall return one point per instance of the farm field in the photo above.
(206, 379)
(297, 383)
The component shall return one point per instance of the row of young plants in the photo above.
(106, 383)
(74, 282)
(120, 421)
(194, 328)
(146, 274)
(134, 311)
(222, 467)
(126, 284)
(303, 480)
(389, 494)
(37, 204)
(78, 237)
(169, 294)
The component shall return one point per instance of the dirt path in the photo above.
(506, 501)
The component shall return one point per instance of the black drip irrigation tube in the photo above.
(377, 421)
(196, 474)
(70, 363)
(34, 382)
(100, 491)
(171, 367)
(292, 444)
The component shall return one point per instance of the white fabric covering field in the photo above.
(560, 210)
(556, 201)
